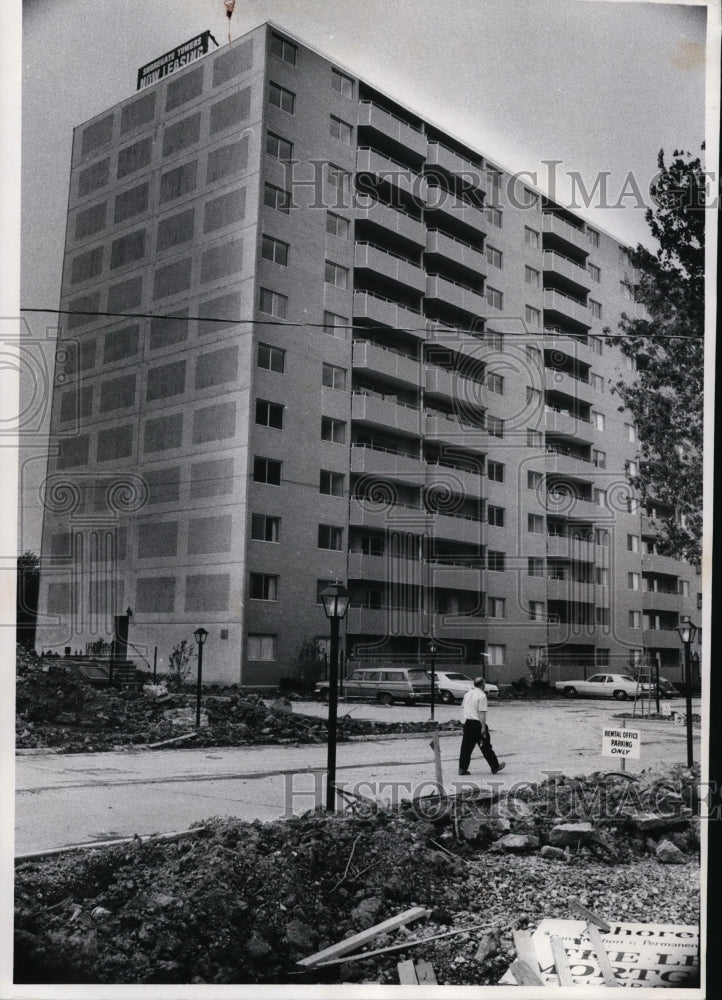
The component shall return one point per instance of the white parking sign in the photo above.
(621, 743)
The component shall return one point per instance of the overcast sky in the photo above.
(600, 86)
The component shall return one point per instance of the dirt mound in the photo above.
(234, 902)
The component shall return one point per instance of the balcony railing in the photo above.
(558, 302)
(387, 312)
(455, 250)
(387, 169)
(390, 265)
(386, 361)
(396, 128)
(395, 220)
(439, 155)
(554, 224)
(455, 293)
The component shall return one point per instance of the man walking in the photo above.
(473, 715)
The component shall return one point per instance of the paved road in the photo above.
(65, 799)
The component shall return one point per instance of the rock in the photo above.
(100, 913)
(518, 842)
(668, 854)
(300, 935)
(281, 705)
(488, 946)
(570, 834)
(548, 851)
(258, 946)
(652, 821)
(366, 913)
(472, 827)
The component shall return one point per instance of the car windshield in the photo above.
(418, 675)
(456, 677)
(625, 677)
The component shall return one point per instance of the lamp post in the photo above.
(687, 632)
(200, 635)
(335, 599)
(432, 654)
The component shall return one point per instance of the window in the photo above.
(336, 225)
(335, 325)
(273, 359)
(601, 537)
(531, 237)
(600, 497)
(532, 317)
(535, 566)
(496, 607)
(342, 83)
(595, 344)
(264, 587)
(683, 587)
(494, 297)
(336, 275)
(599, 458)
(632, 543)
(632, 469)
(494, 257)
(283, 49)
(340, 129)
(595, 308)
(594, 272)
(274, 250)
(598, 420)
(593, 236)
(534, 355)
(534, 439)
(633, 581)
(531, 276)
(495, 426)
(278, 148)
(173, 184)
(534, 480)
(276, 198)
(535, 523)
(496, 654)
(333, 430)
(495, 516)
(635, 619)
(333, 377)
(337, 177)
(596, 382)
(265, 528)
(273, 303)
(261, 647)
(330, 537)
(601, 616)
(495, 383)
(536, 611)
(267, 470)
(602, 576)
(269, 414)
(496, 561)
(281, 98)
(495, 471)
(631, 432)
(494, 340)
(331, 483)
(494, 216)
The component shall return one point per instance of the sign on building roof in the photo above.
(177, 58)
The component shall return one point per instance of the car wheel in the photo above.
(570, 692)
(386, 698)
(447, 698)
(620, 695)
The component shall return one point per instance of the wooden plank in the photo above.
(525, 950)
(560, 960)
(524, 975)
(407, 972)
(437, 763)
(363, 937)
(576, 907)
(425, 973)
(401, 946)
(605, 965)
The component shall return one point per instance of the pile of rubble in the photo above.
(233, 902)
(58, 708)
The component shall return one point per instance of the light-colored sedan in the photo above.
(619, 686)
(452, 686)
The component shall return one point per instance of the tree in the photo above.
(26, 603)
(179, 664)
(310, 664)
(666, 398)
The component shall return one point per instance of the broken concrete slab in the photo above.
(518, 842)
(570, 834)
(669, 854)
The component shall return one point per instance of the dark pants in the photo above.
(472, 737)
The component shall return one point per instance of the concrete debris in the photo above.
(518, 842)
(570, 834)
(548, 851)
(669, 854)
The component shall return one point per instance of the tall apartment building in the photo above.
(313, 337)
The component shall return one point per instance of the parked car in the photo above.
(452, 685)
(666, 688)
(619, 686)
(384, 684)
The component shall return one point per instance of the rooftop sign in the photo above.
(177, 58)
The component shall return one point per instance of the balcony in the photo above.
(457, 339)
(659, 600)
(389, 265)
(452, 430)
(453, 385)
(555, 340)
(563, 422)
(457, 527)
(569, 547)
(373, 358)
(455, 212)
(569, 464)
(386, 569)
(458, 252)
(566, 307)
(371, 116)
(562, 230)
(661, 638)
(441, 156)
(561, 633)
(572, 385)
(455, 294)
(385, 169)
(364, 513)
(454, 575)
(393, 220)
(567, 269)
(385, 412)
(455, 480)
(381, 311)
(379, 462)
(572, 508)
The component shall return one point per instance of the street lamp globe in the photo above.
(200, 635)
(335, 599)
(687, 630)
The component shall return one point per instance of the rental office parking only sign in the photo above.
(623, 743)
